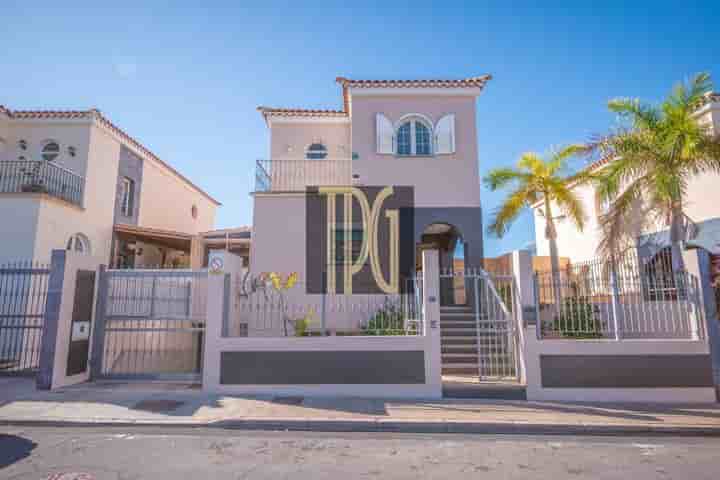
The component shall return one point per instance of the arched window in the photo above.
(414, 137)
(50, 151)
(79, 243)
(316, 151)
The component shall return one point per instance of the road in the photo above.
(206, 453)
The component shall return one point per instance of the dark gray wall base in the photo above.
(626, 371)
(317, 368)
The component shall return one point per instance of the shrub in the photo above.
(387, 320)
(578, 318)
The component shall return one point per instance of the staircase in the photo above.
(458, 341)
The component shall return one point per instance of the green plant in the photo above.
(301, 325)
(578, 318)
(387, 320)
(656, 153)
(536, 179)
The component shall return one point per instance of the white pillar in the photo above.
(522, 271)
(431, 317)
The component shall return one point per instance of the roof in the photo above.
(95, 115)
(471, 82)
(300, 112)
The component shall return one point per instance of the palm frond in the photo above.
(502, 177)
(569, 204)
(508, 212)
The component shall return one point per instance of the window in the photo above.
(50, 151)
(414, 138)
(71, 151)
(79, 243)
(194, 211)
(127, 195)
(22, 145)
(316, 151)
(356, 240)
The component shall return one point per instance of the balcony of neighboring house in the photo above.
(42, 177)
(278, 175)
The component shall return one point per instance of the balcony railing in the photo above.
(296, 175)
(41, 177)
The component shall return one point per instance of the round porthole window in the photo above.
(50, 151)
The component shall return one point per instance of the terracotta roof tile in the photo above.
(472, 82)
(300, 112)
(94, 114)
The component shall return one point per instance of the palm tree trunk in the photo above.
(551, 235)
(676, 240)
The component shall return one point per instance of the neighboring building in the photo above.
(72, 179)
(389, 133)
(702, 206)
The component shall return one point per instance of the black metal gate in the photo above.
(150, 324)
(23, 293)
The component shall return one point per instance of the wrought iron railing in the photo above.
(41, 177)
(297, 175)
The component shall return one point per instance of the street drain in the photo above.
(157, 406)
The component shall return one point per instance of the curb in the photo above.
(388, 426)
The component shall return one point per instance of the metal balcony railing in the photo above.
(297, 175)
(35, 176)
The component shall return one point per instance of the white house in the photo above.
(702, 205)
(72, 179)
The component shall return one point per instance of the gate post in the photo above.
(431, 320)
(65, 348)
(524, 303)
(98, 334)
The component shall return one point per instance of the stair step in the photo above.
(463, 361)
(458, 350)
(457, 370)
(458, 333)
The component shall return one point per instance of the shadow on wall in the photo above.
(14, 448)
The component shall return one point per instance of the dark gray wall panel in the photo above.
(466, 219)
(130, 166)
(316, 368)
(625, 371)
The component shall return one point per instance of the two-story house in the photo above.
(72, 179)
(417, 133)
(702, 206)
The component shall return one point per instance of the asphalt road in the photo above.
(122, 453)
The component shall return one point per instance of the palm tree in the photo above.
(536, 179)
(655, 153)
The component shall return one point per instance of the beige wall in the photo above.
(58, 220)
(299, 135)
(439, 181)
(19, 214)
(278, 236)
(166, 202)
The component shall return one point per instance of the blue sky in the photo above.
(185, 79)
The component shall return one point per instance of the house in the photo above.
(72, 179)
(414, 133)
(702, 206)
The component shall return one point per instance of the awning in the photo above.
(166, 238)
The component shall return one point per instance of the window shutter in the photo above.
(445, 134)
(385, 134)
(131, 197)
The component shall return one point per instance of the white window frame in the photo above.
(45, 144)
(316, 152)
(126, 201)
(413, 118)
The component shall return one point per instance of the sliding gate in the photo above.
(150, 324)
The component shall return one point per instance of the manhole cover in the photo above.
(157, 405)
(288, 400)
(70, 476)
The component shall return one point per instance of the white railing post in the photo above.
(522, 271)
(616, 307)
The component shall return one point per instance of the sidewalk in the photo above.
(178, 405)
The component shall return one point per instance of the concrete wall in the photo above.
(618, 371)
(440, 180)
(19, 214)
(223, 354)
(166, 203)
(289, 140)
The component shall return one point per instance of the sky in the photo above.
(185, 78)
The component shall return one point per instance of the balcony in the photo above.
(297, 175)
(41, 177)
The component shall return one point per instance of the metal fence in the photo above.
(151, 323)
(297, 175)
(23, 293)
(256, 309)
(41, 177)
(625, 299)
(485, 320)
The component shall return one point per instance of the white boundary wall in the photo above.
(429, 343)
